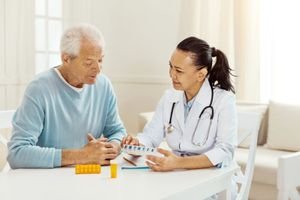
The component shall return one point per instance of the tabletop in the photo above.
(131, 184)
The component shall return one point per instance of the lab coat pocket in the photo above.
(201, 134)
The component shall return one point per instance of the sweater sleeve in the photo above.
(113, 129)
(27, 127)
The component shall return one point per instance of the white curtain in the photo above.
(233, 27)
(280, 50)
(16, 50)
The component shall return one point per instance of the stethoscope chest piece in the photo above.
(170, 128)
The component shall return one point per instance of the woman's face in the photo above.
(184, 73)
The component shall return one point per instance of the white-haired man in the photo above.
(68, 114)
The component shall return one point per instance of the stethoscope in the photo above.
(170, 127)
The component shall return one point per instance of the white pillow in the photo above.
(284, 127)
(248, 124)
(144, 119)
(261, 110)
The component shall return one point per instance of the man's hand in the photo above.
(99, 151)
(116, 147)
(96, 151)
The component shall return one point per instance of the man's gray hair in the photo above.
(71, 39)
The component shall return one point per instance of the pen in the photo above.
(129, 161)
(144, 167)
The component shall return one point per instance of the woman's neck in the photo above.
(192, 92)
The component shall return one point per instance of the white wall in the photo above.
(140, 37)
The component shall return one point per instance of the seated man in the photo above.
(66, 107)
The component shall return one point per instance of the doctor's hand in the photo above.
(167, 163)
(130, 141)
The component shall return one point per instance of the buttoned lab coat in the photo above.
(217, 142)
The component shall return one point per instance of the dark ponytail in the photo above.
(219, 74)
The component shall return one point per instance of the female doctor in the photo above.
(197, 119)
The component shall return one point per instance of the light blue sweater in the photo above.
(53, 116)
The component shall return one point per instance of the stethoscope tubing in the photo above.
(172, 110)
(170, 127)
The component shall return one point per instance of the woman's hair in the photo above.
(71, 39)
(219, 74)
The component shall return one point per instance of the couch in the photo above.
(5, 132)
(279, 135)
(4, 137)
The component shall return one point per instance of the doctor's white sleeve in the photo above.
(153, 132)
(226, 138)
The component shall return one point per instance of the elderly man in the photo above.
(68, 114)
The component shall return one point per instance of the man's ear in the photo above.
(65, 58)
(202, 73)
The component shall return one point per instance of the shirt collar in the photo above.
(189, 103)
(68, 84)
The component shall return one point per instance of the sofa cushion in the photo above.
(284, 127)
(242, 110)
(262, 191)
(6, 133)
(266, 163)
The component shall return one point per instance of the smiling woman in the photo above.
(190, 116)
(198, 117)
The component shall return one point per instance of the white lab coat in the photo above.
(218, 142)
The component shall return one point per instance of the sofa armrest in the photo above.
(288, 178)
(3, 152)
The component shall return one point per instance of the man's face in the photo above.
(87, 65)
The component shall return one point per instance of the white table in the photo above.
(63, 183)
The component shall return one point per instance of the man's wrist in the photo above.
(71, 156)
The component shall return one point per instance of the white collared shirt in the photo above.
(64, 80)
(187, 106)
